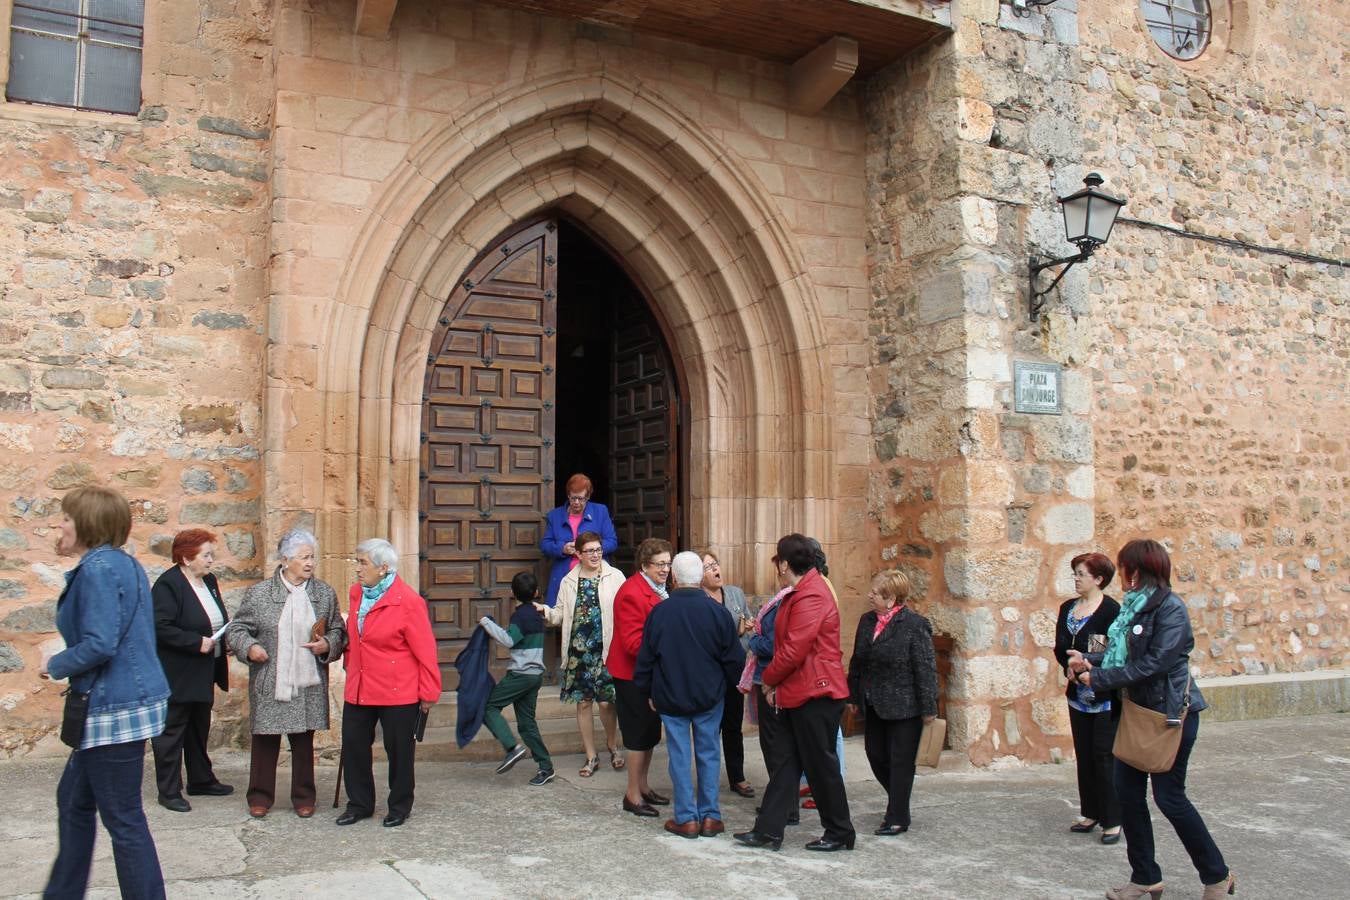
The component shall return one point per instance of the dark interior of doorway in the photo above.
(591, 287)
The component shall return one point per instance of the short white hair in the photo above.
(687, 569)
(380, 552)
(293, 540)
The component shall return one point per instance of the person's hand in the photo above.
(570, 548)
(256, 654)
(1077, 663)
(318, 648)
(652, 705)
(425, 705)
(484, 620)
(770, 694)
(1085, 678)
(207, 645)
(541, 607)
(852, 709)
(928, 719)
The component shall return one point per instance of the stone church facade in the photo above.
(344, 266)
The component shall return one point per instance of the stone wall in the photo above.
(1220, 372)
(132, 322)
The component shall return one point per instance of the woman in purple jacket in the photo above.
(564, 523)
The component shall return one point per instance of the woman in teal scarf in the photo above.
(1148, 657)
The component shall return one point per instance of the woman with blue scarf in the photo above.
(1148, 657)
(392, 678)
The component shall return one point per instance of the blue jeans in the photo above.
(1169, 792)
(106, 780)
(707, 759)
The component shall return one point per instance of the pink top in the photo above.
(883, 619)
(575, 523)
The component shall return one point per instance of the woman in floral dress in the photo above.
(585, 609)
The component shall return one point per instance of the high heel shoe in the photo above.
(830, 845)
(1083, 827)
(1134, 891)
(757, 839)
(1219, 889)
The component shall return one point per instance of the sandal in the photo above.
(616, 758)
(588, 770)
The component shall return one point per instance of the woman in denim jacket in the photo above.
(107, 620)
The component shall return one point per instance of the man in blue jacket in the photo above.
(689, 655)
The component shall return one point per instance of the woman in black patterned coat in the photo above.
(892, 677)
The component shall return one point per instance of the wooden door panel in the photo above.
(642, 449)
(487, 436)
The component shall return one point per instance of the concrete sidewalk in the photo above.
(1274, 793)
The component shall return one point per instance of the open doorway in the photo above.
(617, 396)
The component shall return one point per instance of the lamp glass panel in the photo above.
(1101, 217)
(1075, 217)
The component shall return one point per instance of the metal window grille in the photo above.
(1180, 27)
(84, 54)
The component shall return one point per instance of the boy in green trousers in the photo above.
(520, 686)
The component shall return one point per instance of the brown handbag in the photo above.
(319, 630)
(1144, 740)
(931, 739)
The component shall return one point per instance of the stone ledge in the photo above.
(1242, 697)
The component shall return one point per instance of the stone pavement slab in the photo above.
(1274, 793)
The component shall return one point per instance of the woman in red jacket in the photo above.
(392, 677)
(806, 682)
(638, 722)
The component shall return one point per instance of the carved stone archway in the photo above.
(692, 223)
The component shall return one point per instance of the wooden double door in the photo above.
(489, 433)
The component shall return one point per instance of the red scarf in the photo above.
(884, 619)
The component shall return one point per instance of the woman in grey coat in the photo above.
(732, 599)
(288, 629)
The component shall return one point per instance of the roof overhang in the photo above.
(785, 31)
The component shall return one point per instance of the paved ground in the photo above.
(1274, 792)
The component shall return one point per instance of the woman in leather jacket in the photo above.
(1147, 657)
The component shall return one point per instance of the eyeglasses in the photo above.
(579, 498)
(593, 551)
(659, 565)
(708, 567)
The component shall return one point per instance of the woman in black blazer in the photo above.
(188, 610)
(1092, 717)
(893, 677)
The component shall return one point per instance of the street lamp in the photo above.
(1088, 218)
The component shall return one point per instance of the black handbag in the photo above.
(72, 719)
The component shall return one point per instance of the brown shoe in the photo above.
(257, 812)
(1134, 891)
(304, 812)
(712, 827)
(687, 830)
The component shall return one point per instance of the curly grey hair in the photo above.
(380, 552)
(293, 540)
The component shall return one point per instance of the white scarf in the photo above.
(296, 667)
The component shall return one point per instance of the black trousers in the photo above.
(358, 735)
(183, 741)
(773, 733)
(892, 745)
(1093, 736)
(807, 745)
(733, 741)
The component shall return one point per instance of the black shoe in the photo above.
(643, 809)
(1110, 838)
(830, 845)
(211, 790)
(891, 830)
(656, 799)
(795, 818)
(755, 839)
(513, 756)
(393, 821)
(177, 804)
(351, 818)
(1083, 827)
(542, 777)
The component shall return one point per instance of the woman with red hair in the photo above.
(564, 523)
(188, 611)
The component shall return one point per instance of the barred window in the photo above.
(1180, 27)
(84, 54)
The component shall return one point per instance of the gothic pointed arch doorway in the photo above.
(547, 359)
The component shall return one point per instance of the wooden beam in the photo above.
(373, 17)
(820, 74)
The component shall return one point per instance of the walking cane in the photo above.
(337, 789)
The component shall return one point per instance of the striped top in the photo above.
(525, 637)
